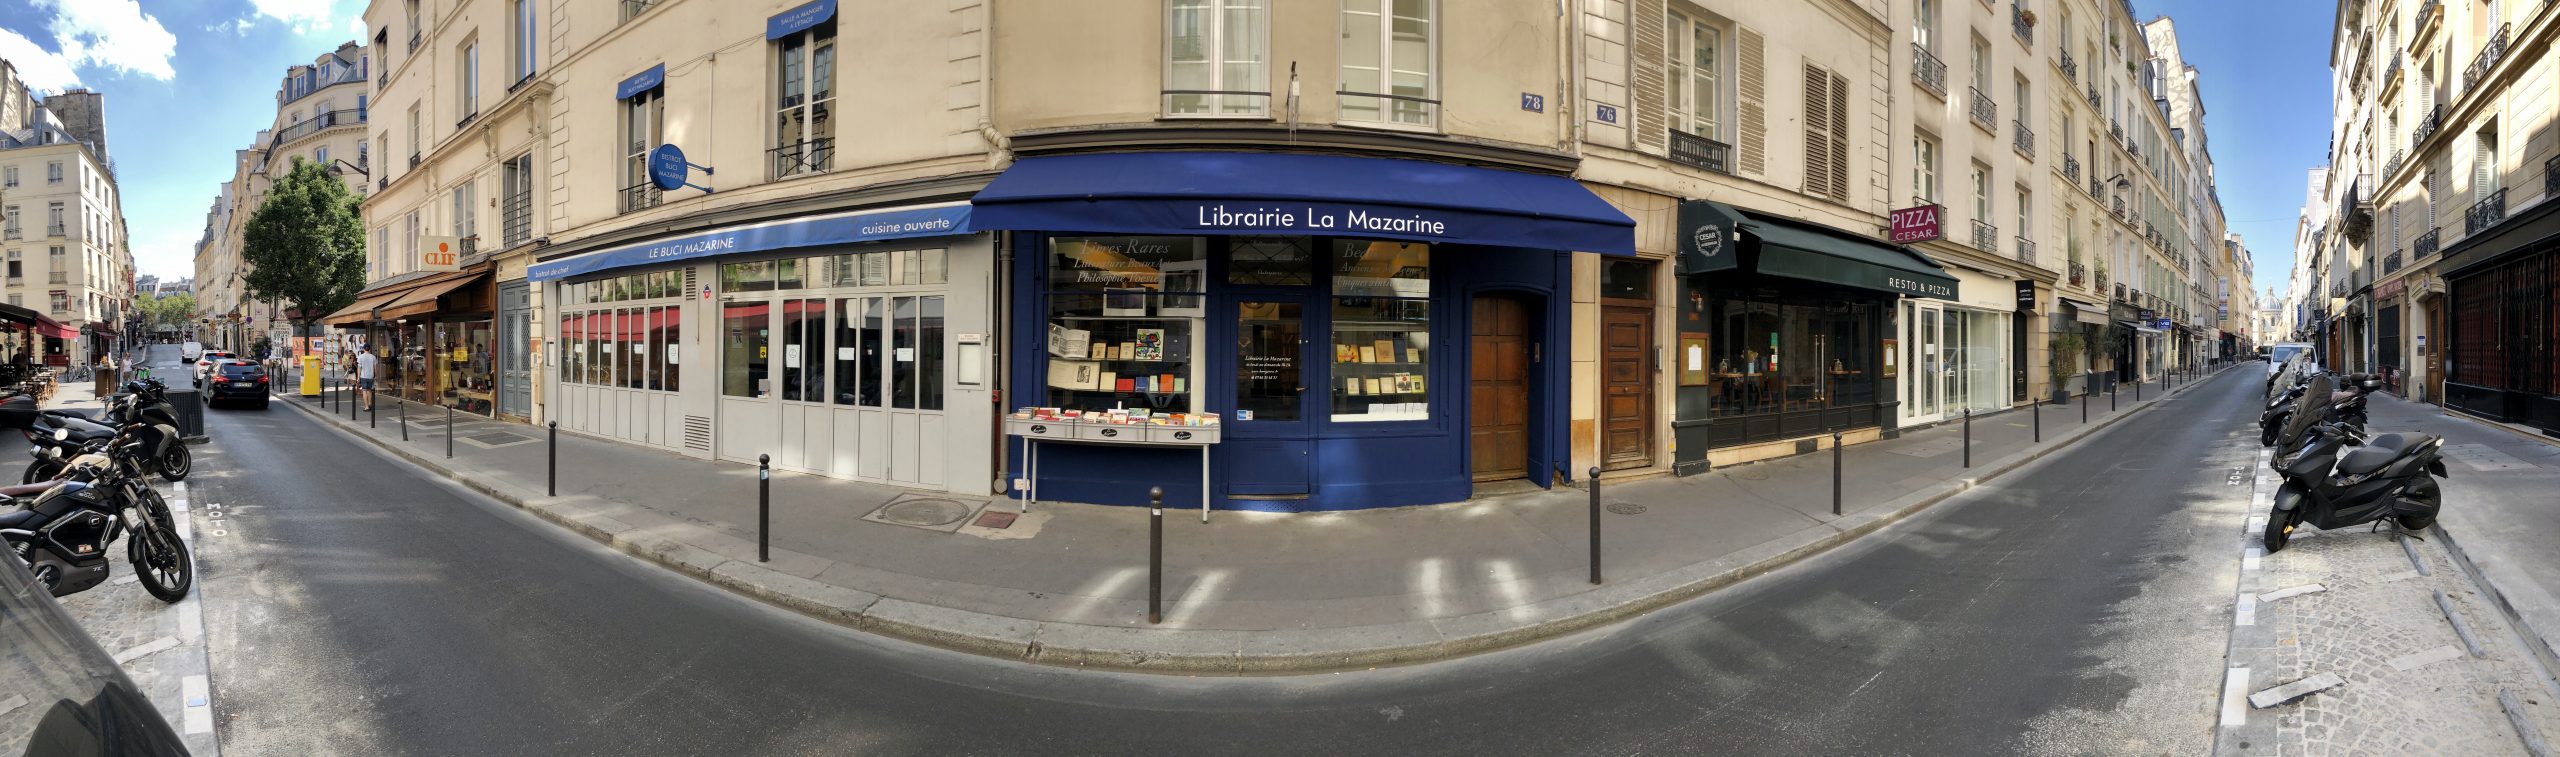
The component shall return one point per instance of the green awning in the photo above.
(1805, 253)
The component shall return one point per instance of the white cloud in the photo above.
(355, 26)
(112, 34)
(305, 17)
(42, 69)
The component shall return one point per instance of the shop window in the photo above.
(1217, 58)
(1124, 317)
(743, 329)
(1386, 73)
(858, 352)
(1780, 351)
(751, 276)
(804, 335)
(1381, 330)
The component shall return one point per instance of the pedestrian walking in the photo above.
(365, 361)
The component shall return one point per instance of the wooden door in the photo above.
(1626, 393)
(2439, 337)
(1498, 387)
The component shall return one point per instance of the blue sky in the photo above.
(187, 82)
(2264, 65)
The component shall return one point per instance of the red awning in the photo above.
(53, 328)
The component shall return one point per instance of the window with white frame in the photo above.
(466, 210)
(1981, 181)
(1981, 66)
(1218, 58)
(409, 254)
(521, 52)
(1387, 53)
(643, 120)
(381, 252)
(467, 69)
(1693, 49)
(11, 176)
(413, 136)
(1924, 25)
(805, 99)
(53, 172)
(1924, 168)
(2484, 164)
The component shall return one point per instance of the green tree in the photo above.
(305, 244)
(173, 311)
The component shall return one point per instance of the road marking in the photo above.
(197, 693)
(2249, 558)
(2291, 591)
(2235, 685)
(2248, 613)
(2436, 655)
(146, 650)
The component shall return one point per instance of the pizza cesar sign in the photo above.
(1919, 224)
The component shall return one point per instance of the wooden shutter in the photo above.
(1839, 138)
(1817, 131)
(1652, 107)
(1752, 96)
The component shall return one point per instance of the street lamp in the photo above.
(341, 166)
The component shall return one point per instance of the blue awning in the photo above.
(799, 19)
(641, 82)
(1274, 193)
(840, 228)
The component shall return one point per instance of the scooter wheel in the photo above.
(175, 465)
(2416, 522)
(2279, 531)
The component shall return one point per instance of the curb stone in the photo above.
(1223, 652)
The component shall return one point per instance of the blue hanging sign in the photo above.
(641, 82)
(837, 229)
(799, 19)
(667, 167)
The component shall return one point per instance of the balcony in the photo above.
(1986, 114)
(2426, 125)
(2093, 95)
(2355, 205)
(2115, 130)
(2096, 188)
(2022, 140)
(641, 196)
(2119, 293)
(2551, 177)
(2391, 262)
(413, 160)
(2070, 68)
(54, 230)
(2119, 206)
(1693, 150)
(414, 39)
(2079, 273)
(802, 158)
(2019, 25)
(2486, 213)
(2391, 71)
(2071, 168)
(56, 277)
(2487, 61)
(1930, 72)
(2425, 246)
(1986, 237)
(515, 216)
(2026, 250)
(2133, 148)
(331, 119)
(2392, 167)
(382, 184)
(12, 233)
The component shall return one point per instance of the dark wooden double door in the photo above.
(1503, 355)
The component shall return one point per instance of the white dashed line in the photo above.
(197, 694)
(146, 650)
(2249, 558)
(2235, 693)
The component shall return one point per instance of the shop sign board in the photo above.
(842, 228)
(1706, 238)
(2026, 296)
(439, 253)
(1916, 224)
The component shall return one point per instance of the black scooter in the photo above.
(61, 529)
(56, 435)
(2389, 478)
(2347, 407)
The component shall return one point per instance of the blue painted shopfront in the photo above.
(1373, 404)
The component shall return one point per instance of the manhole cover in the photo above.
(924, 513)
(994, 519)
(1626, 508)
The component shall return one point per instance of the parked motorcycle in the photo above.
(55, 435)
(2347, 406)
(62, 529)
(2329, 486)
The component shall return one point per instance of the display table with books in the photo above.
(1035, 426)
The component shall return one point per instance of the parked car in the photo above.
(2282, 352)
(75, 699)
(204, 363)
(237, 380)
(188, 352)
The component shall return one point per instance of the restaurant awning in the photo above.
(2090, 313)
(421, 300)
(407, 298)
(1799, 250)
(1283, 193)
(56, 329)
(362, 309)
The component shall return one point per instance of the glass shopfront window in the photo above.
(622, 332)
(742, 349)
(1778, 351)
(1124, 321)
(465, 362)
(1381, 330)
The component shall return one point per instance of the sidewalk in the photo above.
(1246, 593)
(2501, 509)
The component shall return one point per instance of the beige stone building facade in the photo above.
(2437, 210)
(321, 112)
(61, 225)
(1351, 232)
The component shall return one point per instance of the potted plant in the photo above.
(2063, 364)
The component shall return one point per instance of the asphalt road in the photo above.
(2077, 606)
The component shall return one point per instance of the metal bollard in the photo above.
(1968, 437)
(1835, 474)
(1595, 525)
(2036, 405)
(2084, 403)
(372, 416)
(555, 459)
(764, 508)
(1155, 555)
(2111, 396)
(2137, 389)
(448, 432)
(404, 421)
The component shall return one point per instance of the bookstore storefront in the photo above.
(1785, 333)
(1367, 332)
(852, 345)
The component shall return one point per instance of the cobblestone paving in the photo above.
(2375, 610)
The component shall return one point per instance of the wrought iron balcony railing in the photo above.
(2019, 25)
(1986, 237)
(641, 196)
(2486, 213)
(2426, 125)
(2071, 167)
(2022, 139)
(2096, 188)
(2026, 250)
(1930, 72)
(330, 119)
(2093, 95)
(2487, 61)
(1986, 114)
(53, 230)
(812, 156)
(2115, 129)
(2392, 167)
(2070, 68)
(2391, 71)
(515, 218)
(2426, 244)
(2391, 262)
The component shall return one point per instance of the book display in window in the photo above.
(1120, 337)
(1381, 331)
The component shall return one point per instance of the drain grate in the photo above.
(1626, 508)
(994, 519)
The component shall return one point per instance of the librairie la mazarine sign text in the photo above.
(1318, 220)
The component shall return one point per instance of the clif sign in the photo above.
(1918, 224)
